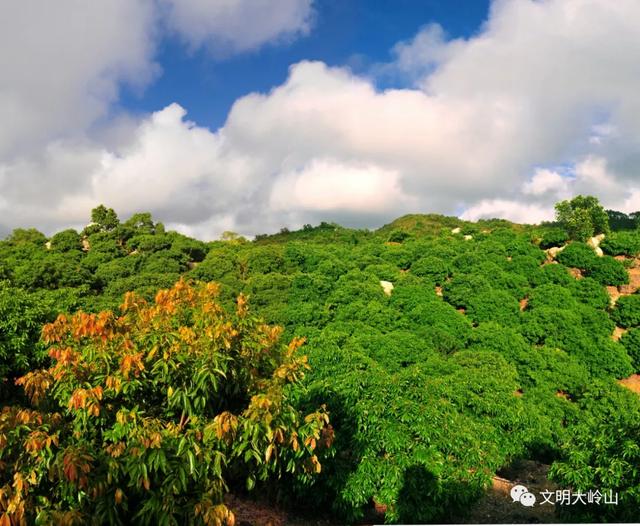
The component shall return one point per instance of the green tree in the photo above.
(602, 452)
(103, 219)
(582, 217)
(65, 241)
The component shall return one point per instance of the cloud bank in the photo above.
(539, 105)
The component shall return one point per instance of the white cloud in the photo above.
(632, 202)
(173, 168)
(325, 185)
(62, 63)
(516, 211)
(237, 25)
(481, 130)
(63, 145)
(545, 181)
(420, 56)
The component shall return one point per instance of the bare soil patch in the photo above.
(617, 333)
(614, 294)
(576, 272)
(632, 383)
(634, 279)
(497, 506)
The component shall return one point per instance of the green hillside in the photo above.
(487, 350)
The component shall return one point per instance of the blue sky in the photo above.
(253, 115)
(356, 33)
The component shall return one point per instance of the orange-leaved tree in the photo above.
(148, 415)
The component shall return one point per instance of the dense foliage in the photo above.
(582, 217)
(149, 415)
(484, 352)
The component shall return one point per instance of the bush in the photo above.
(65, 241)
(631, 342)
(462, 287)
(557, 274)
(169, 402)
(621, 244)
(398, 236)
(217, 265)
(604, 357)
(21, 318)
(627, 311)
(550, 295)
(601, 452)
(554, 238)
(589, 292)
(261, 260)
(578, 255)
(434, 269)
(608, 271)
(495, 305)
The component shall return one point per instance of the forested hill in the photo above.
(482, 347)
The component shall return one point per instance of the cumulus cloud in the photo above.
(62, 144)
(62, 64)
(483, 128)
(326, 185)
(237, 25)
(546, 181)
(512, 210)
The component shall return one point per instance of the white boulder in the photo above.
(595, 241)
(387, 286)
(554, 251)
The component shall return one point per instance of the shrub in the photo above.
(621, 244)
(149, 243)
(65, 241)
(608, 271)
(603, 357)
(577, 255)
(21, 318)
(164, 262)
(553, 326)
(589, 292)
(495, 305)
(550, 295)
(526, 266)
(557, 274)
(555, 237)
(432, 268)
(631, 342)
(146, 417)
(398, 236)
(627, 311)
(261, 260)
(463, 286)
(601, 452)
